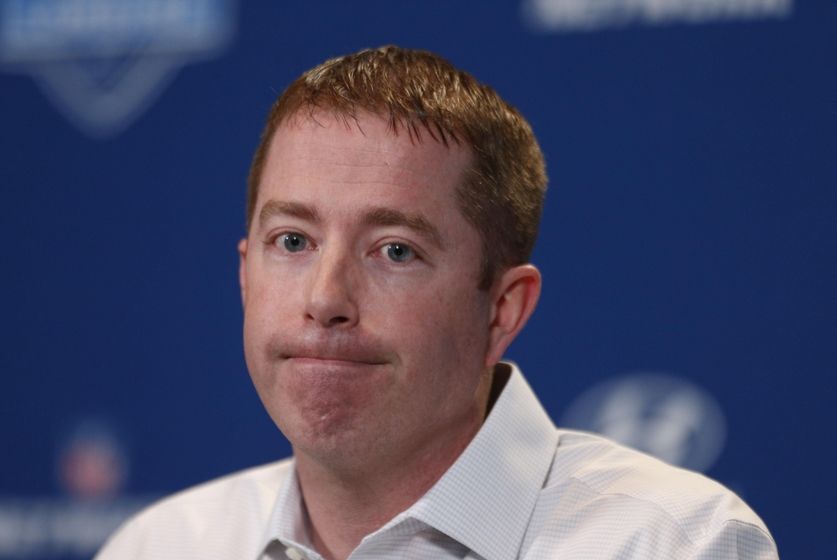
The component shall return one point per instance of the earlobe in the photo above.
(514, 297)
(242, 269)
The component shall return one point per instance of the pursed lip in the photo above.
(332, 361)
(333, 352)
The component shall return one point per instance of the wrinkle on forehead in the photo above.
(380, 150)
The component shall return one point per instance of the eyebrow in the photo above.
(375, 216)
(380, 216)
(273, 208)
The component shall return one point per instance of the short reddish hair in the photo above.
(418, 91)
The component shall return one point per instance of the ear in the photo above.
(513, 299)
(242, 269)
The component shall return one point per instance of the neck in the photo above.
(345, 505)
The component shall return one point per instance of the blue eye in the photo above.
(294, 242)
(399, 252)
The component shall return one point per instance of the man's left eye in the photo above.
(399, 252)
(294, 242)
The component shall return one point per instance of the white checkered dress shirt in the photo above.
(522, 489)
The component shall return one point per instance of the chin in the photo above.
(339, 446)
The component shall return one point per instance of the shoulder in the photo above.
(202, 518)
(597, 487)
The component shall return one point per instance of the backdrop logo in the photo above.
(585, 15)
(102, 62)
(92, 465)
(666, 416)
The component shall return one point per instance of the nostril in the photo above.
(329, 300)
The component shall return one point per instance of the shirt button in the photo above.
(294, 554)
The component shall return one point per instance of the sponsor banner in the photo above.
(103, 62)
(48, 528)
(588, 15)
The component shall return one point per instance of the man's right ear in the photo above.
(242, 269)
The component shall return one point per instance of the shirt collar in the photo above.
(485, 499)
(288, 520)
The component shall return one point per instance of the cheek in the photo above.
(440, 329)
(266, 314)
(269, 301)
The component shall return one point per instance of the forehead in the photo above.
(359, 157)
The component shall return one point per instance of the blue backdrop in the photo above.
(689, 244)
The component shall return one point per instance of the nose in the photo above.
(330, 301)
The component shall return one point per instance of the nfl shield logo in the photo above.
(103, 62)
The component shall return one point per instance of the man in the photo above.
(392, 207)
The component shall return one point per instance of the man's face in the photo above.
(364, 330)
